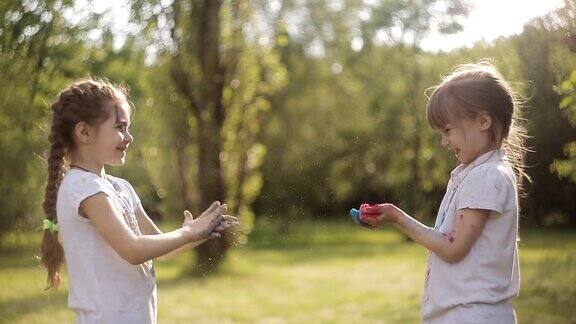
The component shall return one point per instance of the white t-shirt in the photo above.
(489, 273)
(104, 288)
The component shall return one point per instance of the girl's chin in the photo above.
(120, 162)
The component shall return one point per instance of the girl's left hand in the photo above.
(228, 223)
(387, 214)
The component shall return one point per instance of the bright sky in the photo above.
(488, 20)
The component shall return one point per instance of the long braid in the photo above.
(52, 252)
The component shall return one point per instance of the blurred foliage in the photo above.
(324, 104)
(566, 19)
(40, 53)
(567, 167)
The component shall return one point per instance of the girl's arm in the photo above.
(110, 224)
(450, 247)
(148, 227)
(145, 223)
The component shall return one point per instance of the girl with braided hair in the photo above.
(96, 221)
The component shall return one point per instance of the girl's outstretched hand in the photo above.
(228, 223)
(205, 225)
(383, 214)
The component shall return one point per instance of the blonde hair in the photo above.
(474, 88)
(84, 101)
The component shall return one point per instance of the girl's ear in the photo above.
(484, 121)
(83, 133)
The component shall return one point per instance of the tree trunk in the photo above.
(182, 174)
(211, 188)
(211, 119)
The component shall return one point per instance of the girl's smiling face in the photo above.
(467, 138)
(113, 136)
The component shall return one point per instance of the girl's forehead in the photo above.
(444, 109)
(118, 112)
(122, 112)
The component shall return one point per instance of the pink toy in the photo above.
(366, 211)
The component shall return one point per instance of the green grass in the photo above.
(325, 272)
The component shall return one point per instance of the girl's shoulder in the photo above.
(492, 172)
(76, 179)
(76, 186)
(76, 182)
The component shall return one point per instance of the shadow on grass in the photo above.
(320, 253)
(549, 278)
(13, 309)
(287, 257)
(18, 257)
(553, 237)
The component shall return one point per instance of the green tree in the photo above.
(39, 53)
(221, 78)
(355, 95)
(538, 47)
(566, 168)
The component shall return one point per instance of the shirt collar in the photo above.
(461, 171)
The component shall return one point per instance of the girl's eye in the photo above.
(447, 130)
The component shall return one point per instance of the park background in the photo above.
(291, 112)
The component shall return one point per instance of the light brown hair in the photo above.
(84, 101)
(478, 87)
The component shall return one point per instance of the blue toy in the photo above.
(355, 214)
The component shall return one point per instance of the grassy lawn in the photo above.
(325, 272)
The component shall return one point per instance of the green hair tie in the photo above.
(49, 225)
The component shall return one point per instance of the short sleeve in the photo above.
(485, 188)
(87, 185)
(136, 203)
